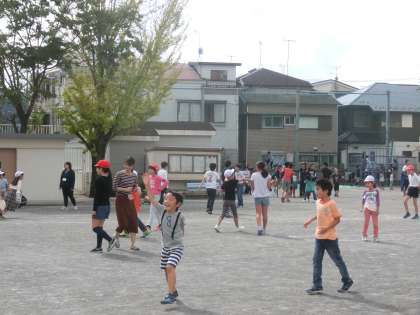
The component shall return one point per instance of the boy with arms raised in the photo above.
(327, 217)
(172, 226)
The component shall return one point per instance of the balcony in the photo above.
(221, 84)
(7, 129)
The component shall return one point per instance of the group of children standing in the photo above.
(11, 196)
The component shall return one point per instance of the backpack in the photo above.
(176, 222)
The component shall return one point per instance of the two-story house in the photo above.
(268, 120)
(362, 124)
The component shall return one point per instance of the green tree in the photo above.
(126, 53)
(30, 46)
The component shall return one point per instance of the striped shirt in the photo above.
(124, 180)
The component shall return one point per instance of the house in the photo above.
(333, 86)
(268, 120)
(362, 119)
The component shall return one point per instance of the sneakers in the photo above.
(209, 211)
(217, 228)
(96, 250)
(260, 232)
(114, 243)
(240, 228)
(375, 240)
(416, 216)
(314, 291)
(406, 215)
(364, 239)
(75, 208)
(63, 208)
(345, 287)
(170, 298)
(134, 248)
(110, 247)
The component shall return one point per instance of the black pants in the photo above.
(211, 196)
(302, 189)
(68, 193)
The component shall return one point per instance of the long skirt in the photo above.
(126, 215)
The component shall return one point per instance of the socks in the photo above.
(101, 234)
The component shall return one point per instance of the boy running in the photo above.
(327, 217)
(172, 226)
(229, 186)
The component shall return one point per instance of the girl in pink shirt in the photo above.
(157, 184)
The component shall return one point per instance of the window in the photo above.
(407, 154)
(189, 111)
(355, 158)
(273, 121)
(360, 119)
(308, 122)
(215, 112)
(184, 163)
(407, 120)
(289, 120)
(218, 75)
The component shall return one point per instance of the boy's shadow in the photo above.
(355, 296)
(185, 309)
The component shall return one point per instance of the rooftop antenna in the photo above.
(200, 49)
(288, 53)
(231, 57)
(260, 47)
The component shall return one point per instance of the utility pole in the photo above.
(260, 47)
(288, 53)
(296, 154)
(387, 123)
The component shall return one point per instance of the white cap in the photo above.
(2, 173)
(229, 172)
(135, 173)
(18, 173)
(369, 178)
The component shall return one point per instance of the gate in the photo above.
(81, 161)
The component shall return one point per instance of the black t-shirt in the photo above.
(326, 172)
(103, 191)
(229, 188)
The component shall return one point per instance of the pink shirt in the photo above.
(157, 184)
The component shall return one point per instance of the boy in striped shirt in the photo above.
(172, 224)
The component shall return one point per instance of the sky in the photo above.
(363, 41)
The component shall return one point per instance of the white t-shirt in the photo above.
(414, 180)
(260, 185)
(211, 178)
(240, 177)
(163, 173)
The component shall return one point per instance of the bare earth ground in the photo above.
(46, 267)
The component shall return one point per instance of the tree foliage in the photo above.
(125, 53)
(30, 45)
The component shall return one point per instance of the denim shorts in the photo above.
(265, 201)
(102, 212)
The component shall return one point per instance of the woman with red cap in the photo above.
(157, 185)
(101, 205)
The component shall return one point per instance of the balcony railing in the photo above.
(220, 84)
(33, 129)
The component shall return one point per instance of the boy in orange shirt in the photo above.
(327, 217)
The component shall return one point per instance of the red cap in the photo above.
(103, 164)
(410, 167)
(155, 166)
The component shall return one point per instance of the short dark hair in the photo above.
(228, 163)
(179, 198)
(325, 164)
(238, 165)
(130, 161)
(212, 166)
(164, 164)
(325, 185)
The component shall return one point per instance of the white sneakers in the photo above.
(240, 228)
(63, 208)
(217, 228)
(75, 208)
(364, 239)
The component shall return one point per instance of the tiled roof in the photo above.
(268, 78)
(403, 97)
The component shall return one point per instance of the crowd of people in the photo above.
(263, 183)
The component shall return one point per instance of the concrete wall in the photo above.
(120, 150)
(42, 162)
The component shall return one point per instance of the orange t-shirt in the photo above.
(325, 215)
(287, 174)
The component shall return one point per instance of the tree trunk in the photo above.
(100, 149)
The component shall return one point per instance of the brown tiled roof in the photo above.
(268, 78)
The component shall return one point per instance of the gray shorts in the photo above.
(262, 201)
(286, 185)
(229, 205)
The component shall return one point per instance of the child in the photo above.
(310, 185)
(210, 180)
(157, 184)
(370, 204)
(327, 217)
(391, 181)
(412, 191)
(172, 228)
(294, 184)
(382, 180)
(229, 186)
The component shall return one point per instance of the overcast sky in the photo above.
(368, 40)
